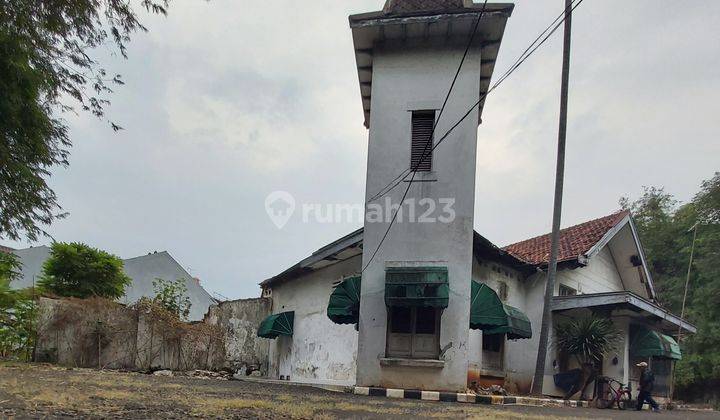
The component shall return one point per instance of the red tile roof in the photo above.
(574, 241)
(6, 249)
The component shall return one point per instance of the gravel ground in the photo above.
(32, 391)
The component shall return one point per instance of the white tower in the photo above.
(415, 304)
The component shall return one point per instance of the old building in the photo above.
(601, 271)
(436, 306)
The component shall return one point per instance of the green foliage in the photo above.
(9, 270)
(77, 270)
(47, 68)
(18, 323)
(666, 230)
(589, 339)
(18, 313)
(172, 295)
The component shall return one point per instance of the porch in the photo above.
(647, 334)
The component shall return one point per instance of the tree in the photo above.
(172, 295)
(588, 339)
(46, 69)
(665, 228)
(77, 270)
(18, 312)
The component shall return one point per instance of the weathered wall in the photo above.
(494, 274)
(69, 329)
(239, 319)
(98, 332)
(319, 351)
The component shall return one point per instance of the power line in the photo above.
(534, 45)
(523, 57)
(442, 108)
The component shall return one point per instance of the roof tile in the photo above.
(574, 241)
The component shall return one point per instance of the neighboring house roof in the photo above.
(574, 241)
(351, 246)
(146, 268)
(31, 264)
(142, 270)
(6, 249)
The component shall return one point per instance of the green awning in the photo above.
(417, 286)
(344, 305)
(649, 343)
(490, 314)
(277, 324)
(518, 324)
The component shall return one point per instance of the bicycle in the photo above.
(620, 396)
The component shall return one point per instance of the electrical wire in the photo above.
(523, 57)
(518, 61)
(442, 108)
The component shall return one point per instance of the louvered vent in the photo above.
(422, 127)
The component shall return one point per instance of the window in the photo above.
(413, 332)
(422, 140)
(492, 351)
(566, 291)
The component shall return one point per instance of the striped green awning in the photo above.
(649, 343)
(417, 286)
(344, 304)
(489, 314)
(277, 324)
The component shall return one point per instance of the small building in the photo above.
(436, 306)
(143, 270)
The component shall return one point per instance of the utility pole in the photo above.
(537, 384)
(682, 310)
(687, 278)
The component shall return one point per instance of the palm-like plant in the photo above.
(588, 339)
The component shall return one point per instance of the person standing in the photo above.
(647, 382)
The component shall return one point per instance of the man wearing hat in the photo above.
(647, 381)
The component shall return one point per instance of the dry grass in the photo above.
(47, 389)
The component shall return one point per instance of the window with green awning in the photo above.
(649, 343)
(276, 325)
(489, 314)
(417, 286)
(344, 304)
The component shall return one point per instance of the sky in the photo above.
(227, 101)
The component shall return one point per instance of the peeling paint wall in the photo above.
(240, 319)
(494, 275)
(319, 351)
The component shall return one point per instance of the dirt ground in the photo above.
(33, 391)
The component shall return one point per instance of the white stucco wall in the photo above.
(319, 351)
(415, 76)
(600, 275)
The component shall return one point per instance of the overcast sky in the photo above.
(227, 101)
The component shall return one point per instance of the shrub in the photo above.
(77, 270)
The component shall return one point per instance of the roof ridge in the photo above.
(616, 213)
(575, 240)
